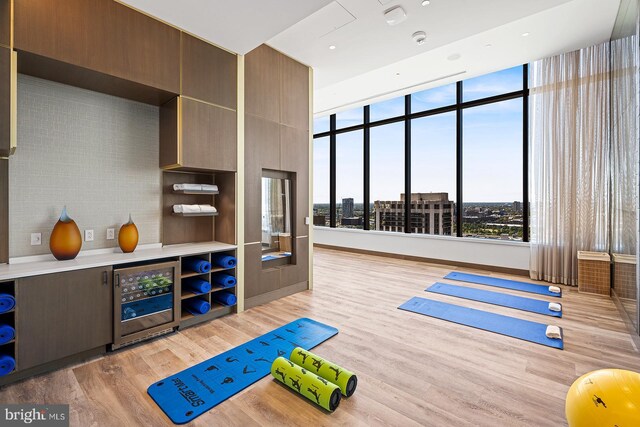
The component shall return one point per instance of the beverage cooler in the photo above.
(146, 303)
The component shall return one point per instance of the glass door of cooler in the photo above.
(145, 302)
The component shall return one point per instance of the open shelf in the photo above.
(219, 269)
(231, 288)
(188, 294)
(188, 273)
(194, 214)
(196, 193)
(8, 342)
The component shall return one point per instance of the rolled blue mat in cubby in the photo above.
(7, 302)
(7, 333)
(196, 285)
(196, 264)
(196, 306)
(7, 364)
(223, 260)
(224, 297)
(223, 280)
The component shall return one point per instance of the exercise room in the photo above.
(319, 213)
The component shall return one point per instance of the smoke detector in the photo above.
(395, 15)
(419, 37)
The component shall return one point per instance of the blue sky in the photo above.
(492, 155)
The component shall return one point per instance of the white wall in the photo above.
(507, 254)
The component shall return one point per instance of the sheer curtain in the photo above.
(570, 165)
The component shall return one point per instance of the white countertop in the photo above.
(51, 265)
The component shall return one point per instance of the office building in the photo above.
(430, 214)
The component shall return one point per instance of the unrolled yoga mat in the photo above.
(346, 380)
(312, 386)
(502, 283)
(496, 298)
(194, 391)
(504, 325)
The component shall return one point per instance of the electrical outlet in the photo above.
(88, 235)
(36, 239)
(111, 233)
(307, 221)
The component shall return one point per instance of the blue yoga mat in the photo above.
(194, 391)
(7, 364)
(196, 264)
(197, 306)
(268, 257)
(196, 285)
(7, 302)
(7, 333)
(504, 325)
(224, 297)
(222, 280)
(502, 283)
(496, 298)
(223, 260)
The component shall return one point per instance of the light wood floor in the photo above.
(412, 369)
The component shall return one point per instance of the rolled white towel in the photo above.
(209, 187)
(207, 208)
(553, 332)
(186, 208)
(187, 187)
(554, 306)
(554, 289)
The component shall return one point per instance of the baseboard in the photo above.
(274, 295)
(493, 268)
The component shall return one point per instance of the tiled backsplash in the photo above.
(97, 154)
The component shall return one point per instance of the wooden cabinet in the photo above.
(197, 136)
(262, 83)
(294, 93)
(103, 36)
(5, 22)
(8, 104)
(63, 314)
(209, 73)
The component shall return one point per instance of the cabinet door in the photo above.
(62, 314)
(8, 88)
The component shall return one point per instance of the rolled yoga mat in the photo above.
(346, 380)
(7, 333)
(224, 297)
(7, 364)
(223, 280)
(7, 302)
(196, 264)
(223, 260)
(304, 382)
(196, 285)
(197, 306)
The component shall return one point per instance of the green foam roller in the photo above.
(308, 384)
(346, 380)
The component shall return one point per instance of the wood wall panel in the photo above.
(4, 211)
(252, 269)
(208, 72)
(294, 157)
(209, 136)
(169, 137)
(225, 202)
(101, 35)
(5, 101)
(5, 23)
(294, 93)
(262, 83)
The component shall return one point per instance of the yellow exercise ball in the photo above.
(607, 397)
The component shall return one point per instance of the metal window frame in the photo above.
(458, 107)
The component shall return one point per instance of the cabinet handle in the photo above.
(104, 278)
(116, 280)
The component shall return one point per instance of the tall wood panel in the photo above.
(5, 23)
(103, 36)
(262, 83)
(4, 211)
(276, 138)
(5, 102)
(208, 72)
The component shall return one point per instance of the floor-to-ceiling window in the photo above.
(450, 160)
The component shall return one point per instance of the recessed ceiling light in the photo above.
(332, 47)
(419, 37)
(488, 45)
(425, 2)
(525, 34)
(397, 74)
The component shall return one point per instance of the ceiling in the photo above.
(374, 61)
(238, 25)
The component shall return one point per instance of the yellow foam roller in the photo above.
(308, 384)
(346, 380)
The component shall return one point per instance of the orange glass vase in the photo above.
(66, 241)
(128, 236)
